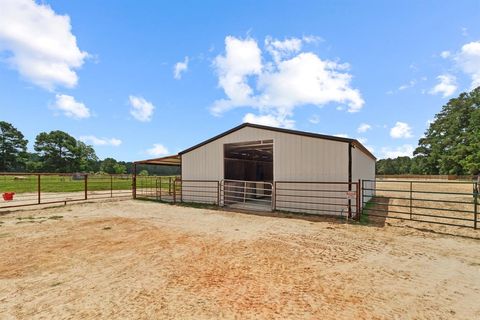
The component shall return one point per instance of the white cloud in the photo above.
(281, 49)
(401, 130)
(405, 150)
(445, 54)
(179, 68)
(341, 135)
(70, 107)
(100, 141)
(292, 79)
(270, 120)
(141, 109)
(315, 119)
(157, 150)
(362, 140)
(468, 59)
(408, 85)
(364, 127)
(446, 85)
(40, 44)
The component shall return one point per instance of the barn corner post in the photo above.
(134, 181)
(359, 199)
(349, 178)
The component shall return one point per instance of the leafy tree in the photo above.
(86, 159)
(60, 152)
(452, 142)
(13, 148)
(108, 165)
(57, 151)
(143, 173)
(120, 168)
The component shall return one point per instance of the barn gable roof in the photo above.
(354, 142)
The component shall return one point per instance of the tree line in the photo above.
(57, 151)
(451, 144)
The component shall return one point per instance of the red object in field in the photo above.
(8, 196)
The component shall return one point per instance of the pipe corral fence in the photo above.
(452, 203)
(27, 189)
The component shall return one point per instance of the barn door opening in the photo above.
(248, 173)
(249, 161)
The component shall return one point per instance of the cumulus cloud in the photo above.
(269, 120)
(141, 109)
(91, 139)
(70, 107)
(157, 150)
(179, 68)
(364, 127)
(447, 85)
(276, 87)
(401, 130)
(39, 44)
(445, 54)
(341, 135)
(405, 150)
(468, 59)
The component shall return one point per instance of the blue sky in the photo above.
(140, 79)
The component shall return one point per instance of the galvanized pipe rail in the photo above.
(466, 211)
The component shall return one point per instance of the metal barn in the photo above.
(257, 167)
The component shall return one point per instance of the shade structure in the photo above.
(173, 160)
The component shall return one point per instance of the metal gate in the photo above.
(439, 202)
(246, 195)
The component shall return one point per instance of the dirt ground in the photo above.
(143, 260)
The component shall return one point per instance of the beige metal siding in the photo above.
(363, 168)
(296, 158)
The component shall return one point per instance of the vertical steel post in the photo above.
(359, 205)
(86, 186)
(475, 210)
(218, 193)
(39, 189)
(411, 184)
(161, 188)
(111, 186)
(174, 193)
(134, 181)
(181, 189)
(274, 195)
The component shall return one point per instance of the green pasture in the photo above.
(57, 183)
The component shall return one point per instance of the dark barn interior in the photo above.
(249, 161)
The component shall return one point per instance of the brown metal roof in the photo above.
(174, 160)
(354, 142)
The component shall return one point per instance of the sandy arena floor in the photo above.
(143, 260)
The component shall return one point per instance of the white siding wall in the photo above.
(296, 158)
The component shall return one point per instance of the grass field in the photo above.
(143, 260)
(57, 183)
